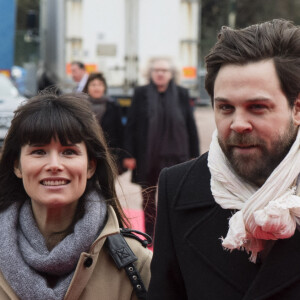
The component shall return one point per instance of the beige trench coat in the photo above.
(102, 280)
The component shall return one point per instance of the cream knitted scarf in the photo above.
(266, 213)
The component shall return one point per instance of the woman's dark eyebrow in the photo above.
(70, 145)
(43, 144)
(36, 144)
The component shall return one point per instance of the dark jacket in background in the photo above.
(113, 129)
(137, 129)
(189, 261)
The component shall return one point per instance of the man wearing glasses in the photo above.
(160, 131)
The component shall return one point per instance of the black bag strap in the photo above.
(124, 258)
(127, 232)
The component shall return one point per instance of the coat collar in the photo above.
(111, 227)
(7, 288)
(208, 222)
(255, 281)
(280, 270)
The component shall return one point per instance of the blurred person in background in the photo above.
(108, 114)
(160, 131)
(79, 75)
(59, 212)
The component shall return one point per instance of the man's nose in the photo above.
(241, 123)
(54, 162)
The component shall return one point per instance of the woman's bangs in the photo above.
(43, 126)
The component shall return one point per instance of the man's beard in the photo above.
(256, 167)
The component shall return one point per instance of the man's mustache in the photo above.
(236, 139)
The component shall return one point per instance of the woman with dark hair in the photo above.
(108, 114)
(59, 212)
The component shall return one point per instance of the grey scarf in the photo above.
(24, 255)
(99, 106)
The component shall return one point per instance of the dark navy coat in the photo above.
(189, 261)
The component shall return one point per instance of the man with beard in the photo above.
(242, 196)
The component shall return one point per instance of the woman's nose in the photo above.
(54, 162)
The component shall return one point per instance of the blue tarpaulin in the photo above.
(7, 33)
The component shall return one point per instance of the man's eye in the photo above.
(225, 107)
(258, 107)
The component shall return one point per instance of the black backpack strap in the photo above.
(124, 258)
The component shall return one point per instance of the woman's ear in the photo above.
(91, 168)
(17, 169)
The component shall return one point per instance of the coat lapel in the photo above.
(279, 271)
(205, 223)
(205, 239)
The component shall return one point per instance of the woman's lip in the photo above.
(54, 181)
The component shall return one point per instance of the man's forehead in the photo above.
(252, 71)
(249, 83)
(74, 66)
(248, 64)
(161, 64)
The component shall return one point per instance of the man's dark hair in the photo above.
(277, 39)
(79, 64)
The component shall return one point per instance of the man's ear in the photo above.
(17, 169)
(296, 111)
(91, 168)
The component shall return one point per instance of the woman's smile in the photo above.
(54, 174)
(54, 182)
